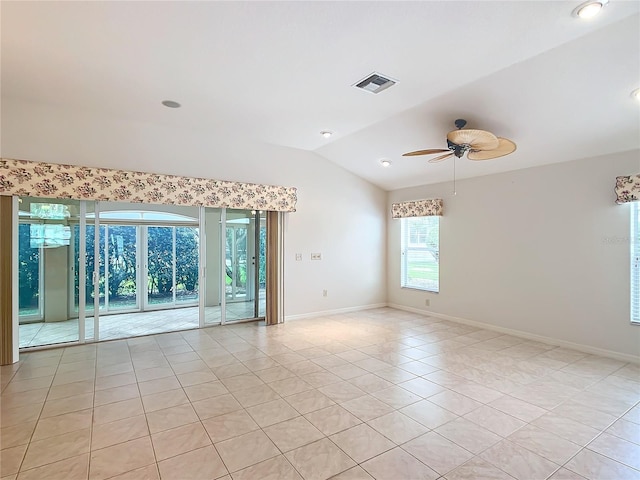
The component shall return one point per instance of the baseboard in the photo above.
(334, 312)
(519, 333)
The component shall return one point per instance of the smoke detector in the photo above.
(375, 83)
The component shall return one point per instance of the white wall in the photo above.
(339, 215)
(343, 218)
(542, 250)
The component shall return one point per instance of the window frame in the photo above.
(407, 247)
(634, 264)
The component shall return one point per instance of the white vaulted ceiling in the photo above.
(280, 72)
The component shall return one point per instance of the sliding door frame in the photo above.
(202, 265)
(274, 271)
(223, 265)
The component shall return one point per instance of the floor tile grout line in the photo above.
(585, 447)
(39, 417)
(595, 381)
(93, 409)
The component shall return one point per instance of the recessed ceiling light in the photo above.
(385, 163)
(171, 104)
(326, 133)
(589, 9)
(636, 94)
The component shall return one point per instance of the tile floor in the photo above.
(381, 394)
(134, 324)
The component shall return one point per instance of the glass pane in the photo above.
(45, 271)
(122, 250)
(240, 268)
(236, 263)
(28, 276)
(212, 288)
(420, 253)
(160, 266)
(102, 280)
(262, 267)
(187, 253)
(90, 265)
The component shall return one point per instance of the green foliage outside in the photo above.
(122, 263)
(241, 246)
(29, 272)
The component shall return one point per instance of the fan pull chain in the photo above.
(454, 176)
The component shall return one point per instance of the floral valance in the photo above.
(35, 179)
(628, 188)
(417, 208)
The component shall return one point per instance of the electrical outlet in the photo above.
(316, 256)
(324, 293)
(427, 303)
(298, 257)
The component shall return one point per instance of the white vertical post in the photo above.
(139, 282)
(174, 236)
(96, 274)
(71, 273)
(106, 268)
(82, 272)
(223, 265)
(281, 217)
(202, 265)
(144, 271)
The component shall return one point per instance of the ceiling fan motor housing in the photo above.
(458, 150)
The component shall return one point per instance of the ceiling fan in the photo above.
(477, 144)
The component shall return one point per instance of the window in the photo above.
(420, 253)
(635, 262)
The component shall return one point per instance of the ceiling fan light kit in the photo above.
(477, 144)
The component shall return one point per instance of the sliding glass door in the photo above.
(84, 269)
(261, 262)
(238, 269)
(245, 262)
(92, 271)
(44, 268)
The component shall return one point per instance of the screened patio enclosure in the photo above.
(90, 271)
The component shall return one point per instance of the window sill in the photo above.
(419, 289)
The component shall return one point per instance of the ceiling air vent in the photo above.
(375, 83)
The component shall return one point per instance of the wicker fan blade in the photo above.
(440, 158)
(425, 152)
(505, 147)
(476, 139)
